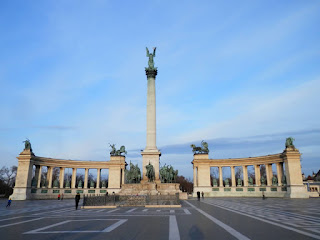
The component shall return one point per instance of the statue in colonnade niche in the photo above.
(67, 183)
(239, 182)
(33, 182)
(91, 184)
(284, 180)
(56, 183)
(80, 184)
(226, 182)
(263, 180)
(274, 180)
(43, 183)
(289, 142)
(150, 172)
(214, 182)
(250, 181)
(103, 184)
(200, 150)
(115, 152)
(27, 145)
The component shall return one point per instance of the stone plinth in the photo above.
(153, 158)
(151, 188)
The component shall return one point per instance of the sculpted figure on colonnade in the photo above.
(27, 145)
(263, 180)
(115, 152)
(250, 181)
(289, 142)
(198, 150)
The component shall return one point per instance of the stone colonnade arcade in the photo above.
(24, 189)
(292, 187)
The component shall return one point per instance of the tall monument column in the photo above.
(151, 154)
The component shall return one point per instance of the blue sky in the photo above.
(242, 75)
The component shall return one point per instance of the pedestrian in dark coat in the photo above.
(202, 194)
(198, 195)
(77, 199)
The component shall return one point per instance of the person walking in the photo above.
(202, 193)
(198, 195)
(77, 199)
(59, 196)
(9, 203)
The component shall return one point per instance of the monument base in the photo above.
(21, 194)
(150, 188)
(297, 191)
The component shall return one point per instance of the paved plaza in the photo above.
(210, 218)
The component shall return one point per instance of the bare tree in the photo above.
(8, 175)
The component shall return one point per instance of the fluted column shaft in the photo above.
(39, 176)
(279, 173)
(98, 178)
(50, 169)
(73, 179)
(233, 177)
(220, 177)
(61, 177)
(245, 175)
(257, 174)
(86, 178)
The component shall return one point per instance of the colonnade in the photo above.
(25, 189)
(287, 183)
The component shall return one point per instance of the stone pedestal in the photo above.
(154, 159)
(22, 189)
(295, 187)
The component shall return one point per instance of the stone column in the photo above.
(98, 178)
(257, 174)
(123, 172)
(279, 173)
(36, 174)
(50, 169)
(245, 176)
(151, 154)
(220, 177)
(39, 177)
(85, 185)
(61, 177)
(269, 174)
(195, 182)
(233, 177)
(73, 179)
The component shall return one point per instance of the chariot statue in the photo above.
(115, 152)
(200, 150)
(27, 145)
(289, 142)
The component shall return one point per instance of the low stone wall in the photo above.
(252, 191)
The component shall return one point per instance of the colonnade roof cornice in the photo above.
(261, 160)
(53, 162)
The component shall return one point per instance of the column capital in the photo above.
(151, 72)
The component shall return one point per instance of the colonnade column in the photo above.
(220, 177)
(245, 176)
(233, 177)
(98, 177)
(61, 177)
(279, 173)
(195, 182)
(50, 177)
(73, 179)
(39, 176)
(122, 170)
(86, 178)
(36, 174)
(257, 174)
(269, 183)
